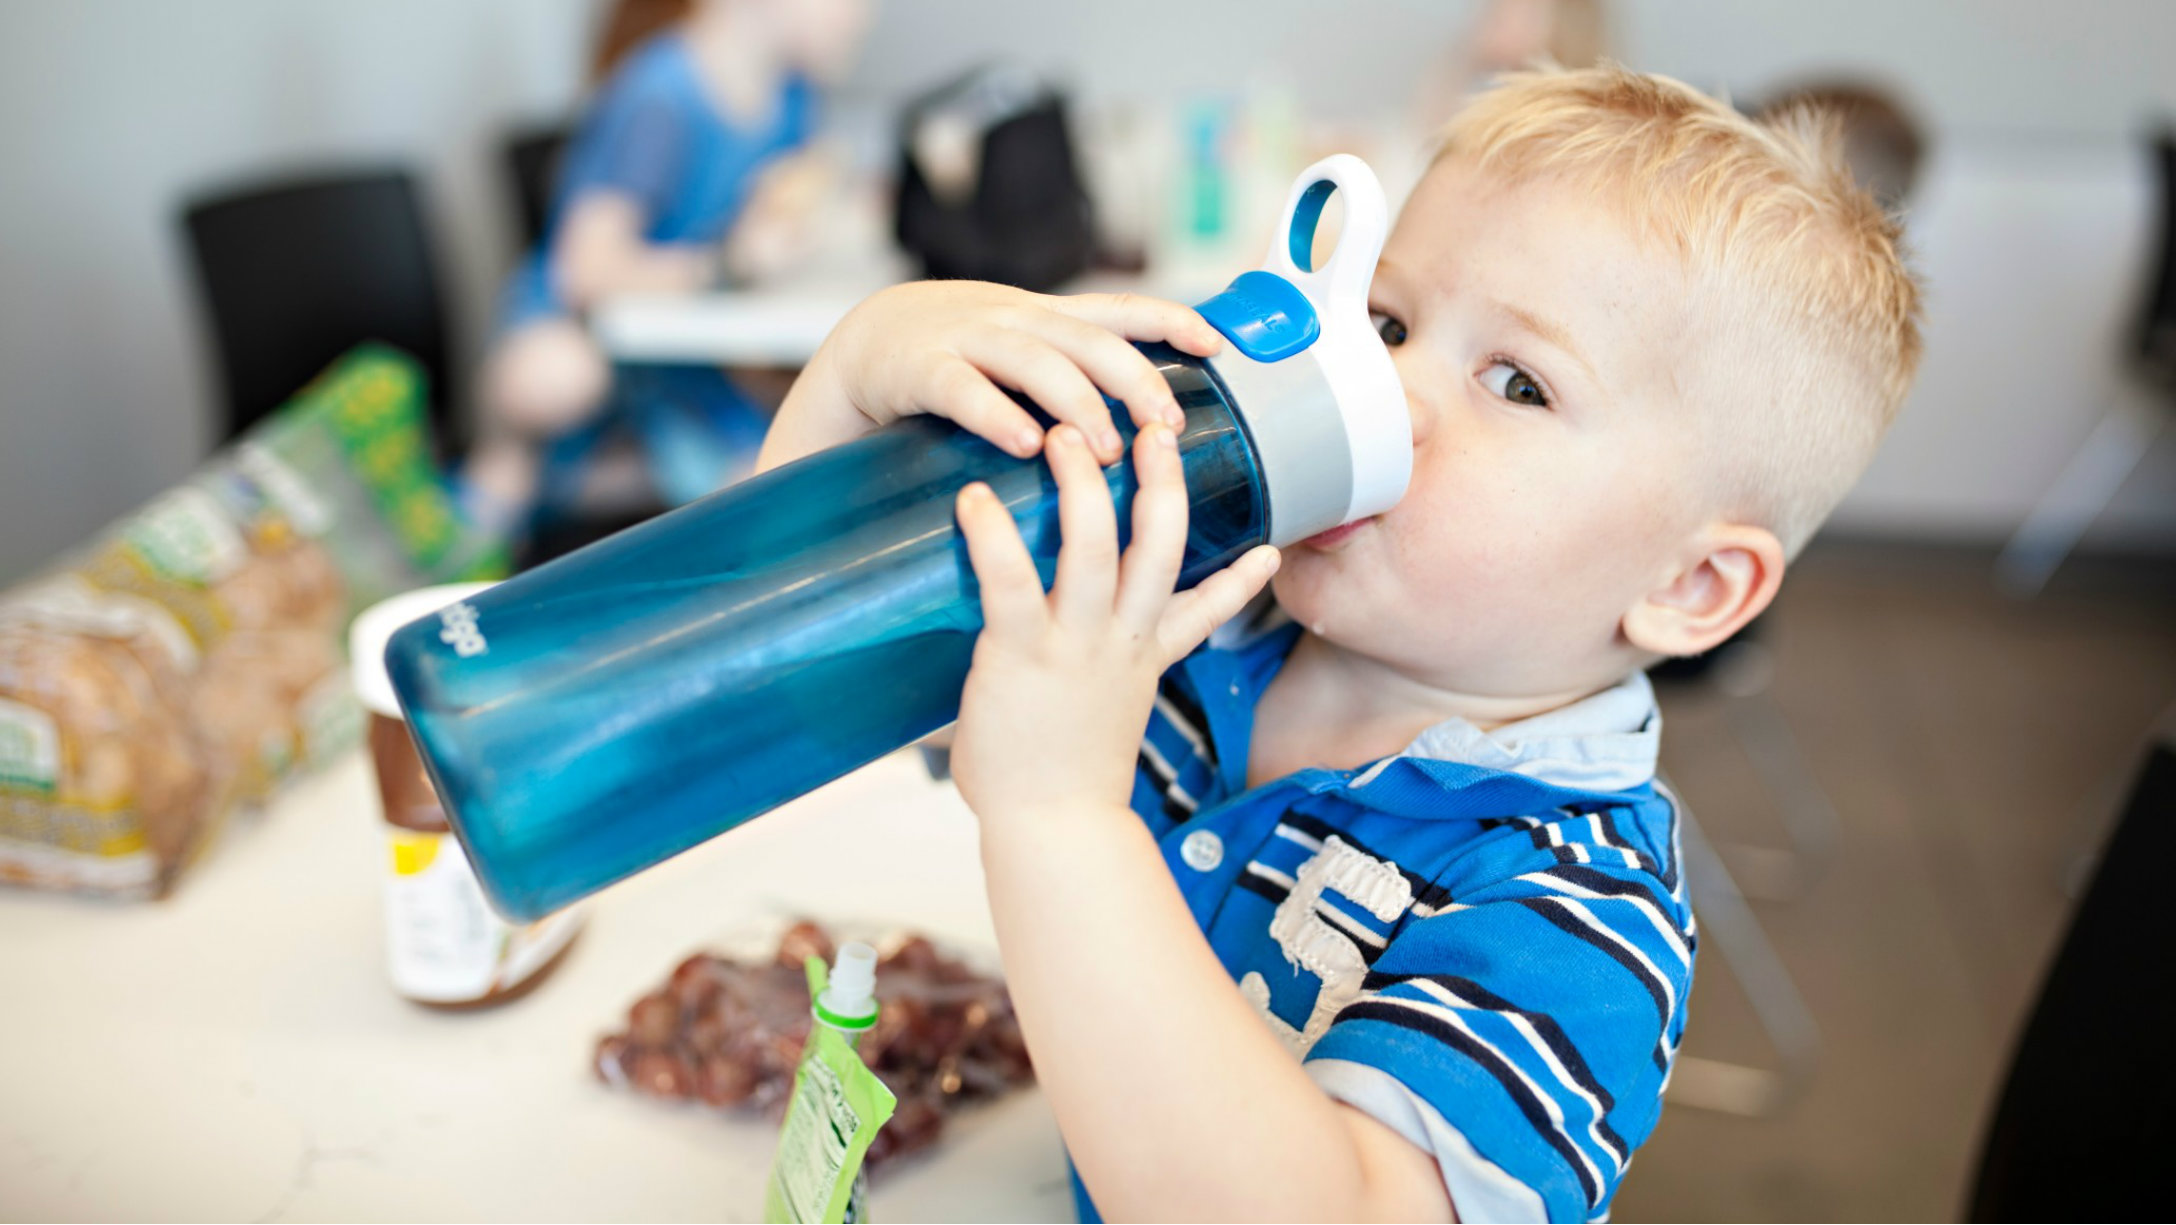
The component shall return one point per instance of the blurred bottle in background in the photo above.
(1185, 193)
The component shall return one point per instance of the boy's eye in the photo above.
(1514, 384)
(1392, 331)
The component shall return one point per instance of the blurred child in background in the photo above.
(1507, 35)
(690, 166)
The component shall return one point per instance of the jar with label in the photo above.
(444, 944)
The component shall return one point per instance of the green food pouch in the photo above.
(838, 1104)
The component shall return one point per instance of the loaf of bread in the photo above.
(190, 660)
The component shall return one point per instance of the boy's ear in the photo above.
(1731, 575)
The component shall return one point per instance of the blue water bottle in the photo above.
(615, 707)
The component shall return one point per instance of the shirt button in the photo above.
(1202, 851)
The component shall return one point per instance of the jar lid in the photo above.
(375, 626)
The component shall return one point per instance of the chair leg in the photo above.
(2080, 492)
(1808, 815)
(1735, 935)
(1768, 873)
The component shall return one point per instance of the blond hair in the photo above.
(1814, 299)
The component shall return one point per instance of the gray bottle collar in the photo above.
(1291, 414)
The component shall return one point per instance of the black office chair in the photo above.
(2154, 339)
(297, 271)
(532, 174)
(2084, 1123)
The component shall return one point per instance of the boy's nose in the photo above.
(1411, 376)
(1423, 419)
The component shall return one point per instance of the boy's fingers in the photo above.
(1012, 591)
(1193, 615)
(1139, 317)
(1088, 529)
(1122, 371)
(967, 396)
(1151, 566)
(1051, 379)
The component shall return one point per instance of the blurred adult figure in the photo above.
(1882, 143)
(691, 166)
(1509, 35)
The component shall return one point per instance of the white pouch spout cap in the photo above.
(850, 995)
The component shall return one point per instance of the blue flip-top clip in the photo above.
(1264, 316)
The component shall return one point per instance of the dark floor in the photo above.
(1974, 750)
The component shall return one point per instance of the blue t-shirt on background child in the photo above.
(654, 134)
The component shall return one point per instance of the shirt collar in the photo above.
(1607, 741)
(1596, 748)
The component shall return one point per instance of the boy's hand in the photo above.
(1062, 683)
(1120, 998)
(951, 347)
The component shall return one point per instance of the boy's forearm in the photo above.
(1175, 1099)
(815, 414)
(954, 349)
(601, 250)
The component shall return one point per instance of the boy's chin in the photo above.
(1314, 589)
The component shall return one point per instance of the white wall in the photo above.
(2047, 67)
(2034, 254)
(2031, 229)
(111, 110)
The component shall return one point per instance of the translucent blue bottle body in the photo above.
(647, 693)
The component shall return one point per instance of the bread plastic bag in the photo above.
(190, 660)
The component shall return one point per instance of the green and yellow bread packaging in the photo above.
(189, 659)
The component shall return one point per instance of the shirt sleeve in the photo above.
(1523, 1029)
(1481, 1190)
(637, 144)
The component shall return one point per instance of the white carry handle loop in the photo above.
(1339, 288)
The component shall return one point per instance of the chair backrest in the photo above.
(532, 173)
(299, 270)
(2084, 1125)
(2156, 329)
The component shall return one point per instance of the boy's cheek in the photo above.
(1478, 529)
(1516, 546)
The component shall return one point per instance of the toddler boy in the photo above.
(1396, 925)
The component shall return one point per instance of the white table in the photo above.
(779, 328)
(235, 1053)
(783, 325)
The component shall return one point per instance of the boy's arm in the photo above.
(1176, 1101)
(948, 347)
(951, 347)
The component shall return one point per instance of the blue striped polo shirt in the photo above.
(1483, 941)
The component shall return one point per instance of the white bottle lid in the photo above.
(375, 626)
(1328, 418)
